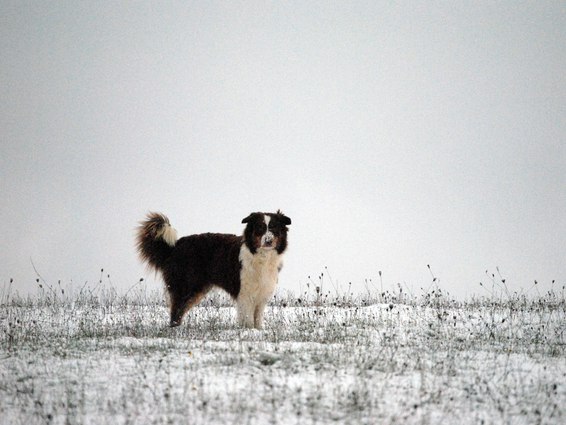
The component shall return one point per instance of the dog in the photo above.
(246, 267)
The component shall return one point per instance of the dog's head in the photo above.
(266, 231)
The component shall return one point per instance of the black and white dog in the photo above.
(246, 266)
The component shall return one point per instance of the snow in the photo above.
(119, 363)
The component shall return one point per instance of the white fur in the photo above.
(268, 236)
(168, 234)
(258, 280)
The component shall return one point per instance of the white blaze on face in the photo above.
(268, 236)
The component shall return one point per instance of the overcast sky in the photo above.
(394, 134)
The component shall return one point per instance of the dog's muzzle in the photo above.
(267, 240)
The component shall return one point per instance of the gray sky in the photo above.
(395, 135)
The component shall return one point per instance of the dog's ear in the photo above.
(284, 219)
(248, 218)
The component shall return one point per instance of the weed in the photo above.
(90, 354)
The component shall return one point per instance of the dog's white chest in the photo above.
(258, 275)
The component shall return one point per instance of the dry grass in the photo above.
(90, 355)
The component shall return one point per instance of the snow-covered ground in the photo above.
(426, 361)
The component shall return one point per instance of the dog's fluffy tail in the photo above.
(155, 240)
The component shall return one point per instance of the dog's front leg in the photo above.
(258, 315)
(245, 312)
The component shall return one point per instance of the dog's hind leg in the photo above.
(180, 304)
(178, 309)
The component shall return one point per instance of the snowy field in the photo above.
(100, 358)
